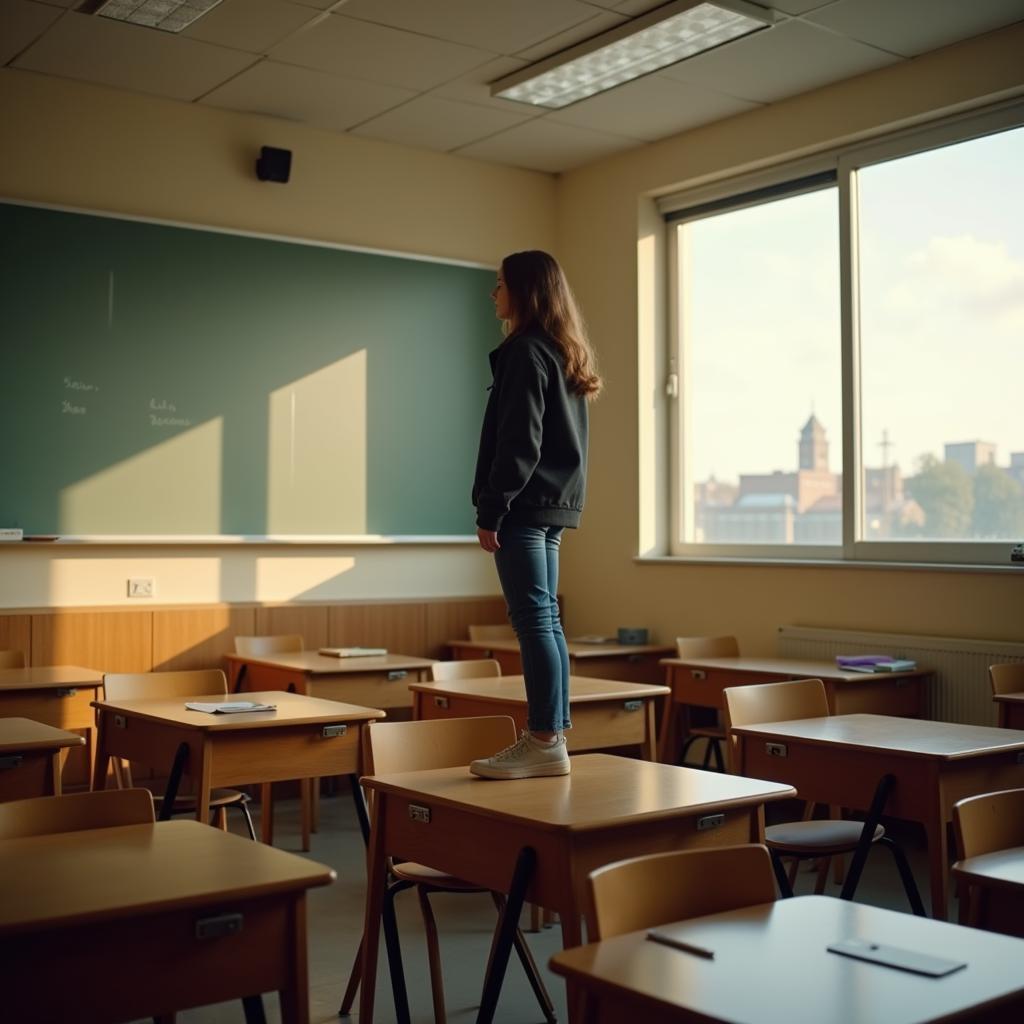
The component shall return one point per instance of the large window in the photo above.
(869, 304)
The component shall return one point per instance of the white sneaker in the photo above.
(527, 758)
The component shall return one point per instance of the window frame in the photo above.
(765, 186)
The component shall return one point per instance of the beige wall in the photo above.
(82, 146)
(610, 241)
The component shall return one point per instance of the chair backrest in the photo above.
(192, 683)
(771, 702)
(434, 743)
(1007, 678)
(282, 643)
(990, 822)
(12, 659)
(102, 809)
(659, 888)
(707, 647)
(482, 668)
(504, 631)
(775, 702)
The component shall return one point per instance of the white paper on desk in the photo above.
(232, 707)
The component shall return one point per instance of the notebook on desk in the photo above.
(353, 652)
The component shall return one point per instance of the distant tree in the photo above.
(944, 492)
(998, 504)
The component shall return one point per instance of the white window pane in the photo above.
(762, 435)
(941, 238)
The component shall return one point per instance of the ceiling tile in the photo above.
(601, 22)
(799, 6)
(634, 8)
(475, 86)
(911, 27)
(434, 123)
(22, 23)
(651, 108)
(378, 54)
(785, 60)
(251, 25)
(299, 94)
(494, 25)
(543, 145)
(131, 57)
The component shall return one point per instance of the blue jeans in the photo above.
(527, 564)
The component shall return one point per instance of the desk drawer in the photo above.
(68, 709)
(367, 689)
(625, 668)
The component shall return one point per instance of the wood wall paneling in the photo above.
(309, 621)
(194, 638)
(16, 634)
(107, 641)
(450, 620)
(401, 628)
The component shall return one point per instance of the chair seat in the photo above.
(420, 874)
(822, 837)
(185, 802)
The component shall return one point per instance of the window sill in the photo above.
(827, 563)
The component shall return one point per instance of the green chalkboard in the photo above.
(172, 381)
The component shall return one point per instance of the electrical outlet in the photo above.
(141, 587)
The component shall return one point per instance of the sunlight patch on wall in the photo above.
(147, 488)
(306, 492)
(287, 578)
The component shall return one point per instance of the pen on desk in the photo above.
(686, 947)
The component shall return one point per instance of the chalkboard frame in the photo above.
(243, 539)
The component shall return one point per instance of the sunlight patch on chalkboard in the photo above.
(317, 451)
(146, 492)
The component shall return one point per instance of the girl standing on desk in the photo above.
(529, 486)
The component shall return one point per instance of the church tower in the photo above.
(813, 446)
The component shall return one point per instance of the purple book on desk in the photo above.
(851, 660)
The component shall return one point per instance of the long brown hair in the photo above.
(540, 296)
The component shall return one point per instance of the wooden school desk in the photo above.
(842, 760)
(537, 839)
(699, 682)
(772, 966)
(628, 663)
(373, 682)
(1011, 710)
(304, 738)
(997, 890)
(30, 758)
(145, 920)
(59, 695)
(604, 713)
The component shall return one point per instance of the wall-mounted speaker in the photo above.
(274, 164)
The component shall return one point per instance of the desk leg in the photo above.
(376, 881)
(294, 998)
(649, 749)
(525, 863)
(173, 782)
(938, 858)
(240, 678)
(52, 781)
(101, 763)
(668, 741)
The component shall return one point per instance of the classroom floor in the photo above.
(465, 923)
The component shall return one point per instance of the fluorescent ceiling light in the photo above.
(166, 15)
(664, 36)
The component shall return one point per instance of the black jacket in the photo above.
(532, 465)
